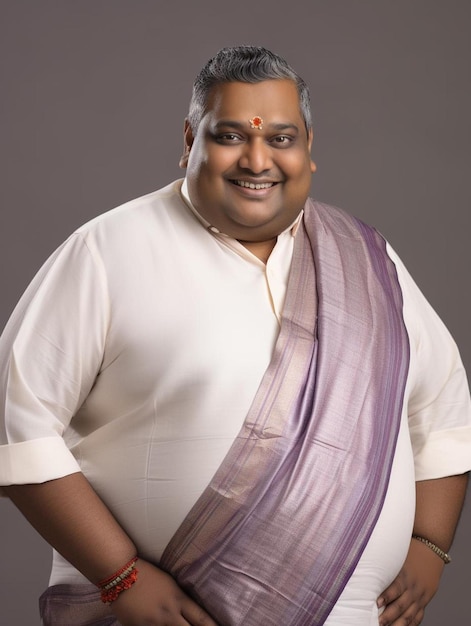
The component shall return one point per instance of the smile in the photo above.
(244, 183)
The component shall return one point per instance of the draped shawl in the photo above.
(279, 530)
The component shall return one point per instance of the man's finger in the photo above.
(195, 615)
(401, 609)
(391, 593)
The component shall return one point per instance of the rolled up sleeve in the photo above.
(438, 398)
(50, 354)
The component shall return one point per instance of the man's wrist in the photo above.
(445, 557)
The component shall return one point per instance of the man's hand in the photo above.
(155, 599)
(73, 519)
(407, 596)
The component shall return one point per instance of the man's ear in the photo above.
(188, 139)
(309, 143)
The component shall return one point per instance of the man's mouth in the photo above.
(249, 185)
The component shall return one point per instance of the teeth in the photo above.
(243, 183)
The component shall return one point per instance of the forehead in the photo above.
(273, 100)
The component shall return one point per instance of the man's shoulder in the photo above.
(150, 213)
(138, 209)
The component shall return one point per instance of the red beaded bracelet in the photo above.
(121, 580)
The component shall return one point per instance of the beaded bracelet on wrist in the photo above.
(121, 580)
(438, 551)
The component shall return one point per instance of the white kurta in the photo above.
(134, 357)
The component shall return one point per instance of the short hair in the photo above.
(246, 64)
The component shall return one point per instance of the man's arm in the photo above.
(74, 520)
(438, 508)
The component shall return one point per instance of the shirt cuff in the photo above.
(35, 461)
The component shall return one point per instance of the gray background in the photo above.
(94, 93)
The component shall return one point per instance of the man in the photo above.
(238, 386)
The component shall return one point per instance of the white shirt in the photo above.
(134, 357)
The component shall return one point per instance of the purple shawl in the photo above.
(278, 532)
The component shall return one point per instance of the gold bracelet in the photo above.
(438, 551)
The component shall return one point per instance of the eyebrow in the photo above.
(278, 126)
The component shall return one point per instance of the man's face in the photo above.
(227, 157)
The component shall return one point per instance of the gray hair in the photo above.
(246, 64)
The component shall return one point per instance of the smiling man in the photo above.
(250, 180)
(225, 403)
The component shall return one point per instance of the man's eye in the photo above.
(228, 138)
(282, 140)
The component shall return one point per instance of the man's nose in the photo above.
(256, 156)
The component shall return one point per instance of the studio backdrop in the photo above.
(94, 94)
